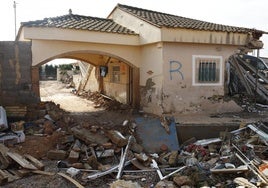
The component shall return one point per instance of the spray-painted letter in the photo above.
(175, 66)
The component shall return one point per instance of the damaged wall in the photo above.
(168, 77)
(116, 83)
(15, 74)
(151, 78)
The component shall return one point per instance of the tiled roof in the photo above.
(72, 21)
(171, 21)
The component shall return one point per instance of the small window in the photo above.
(115, 78)
(207, 70)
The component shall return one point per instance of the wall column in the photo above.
(136, 88)
(35, 80)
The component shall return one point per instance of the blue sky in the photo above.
(242, 13)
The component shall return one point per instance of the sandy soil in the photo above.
(57, 92)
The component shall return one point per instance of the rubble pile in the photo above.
(103, 101)
(102, 156)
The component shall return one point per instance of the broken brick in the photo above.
(73, 156)
(117, 138)
(56, 154)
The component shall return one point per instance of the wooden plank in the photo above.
(24, 172)
(43, 172)
(77, 184)
(11, 176)
(21, 161)
(230, 170)
(3, 156)
(3, 177)
(35, 162)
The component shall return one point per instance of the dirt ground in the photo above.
(84, 111)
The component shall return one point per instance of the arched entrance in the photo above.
(113, 76)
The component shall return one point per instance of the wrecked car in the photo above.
(248, 75)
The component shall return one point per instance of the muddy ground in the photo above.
(85, 111)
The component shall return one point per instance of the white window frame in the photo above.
(219, 59)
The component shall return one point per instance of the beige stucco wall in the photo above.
(203, 37)
(147, 32)
(46, 50)
(151, 77)
(92, 82)
(175, 91)
(76, 35)
(120, 89)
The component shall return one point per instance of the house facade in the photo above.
(158, 62)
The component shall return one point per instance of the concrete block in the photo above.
(56, 154)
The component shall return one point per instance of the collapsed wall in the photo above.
(15, 74)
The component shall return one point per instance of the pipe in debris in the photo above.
(154, 165)
(262, 134)
(263, 179)
(100, 174)
(253, 167)
(174, 172)
(122, 161)
(159, 171)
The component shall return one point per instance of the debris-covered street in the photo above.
(103, 146)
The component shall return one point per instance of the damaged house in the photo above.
(158, 62)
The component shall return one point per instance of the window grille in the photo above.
(207, 70)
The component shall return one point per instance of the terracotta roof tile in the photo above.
(72, 21)
(171, 21)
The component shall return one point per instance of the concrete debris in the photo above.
(103, 101)
(91, 154)
(117, 138)
(56, 154)
(123, 183)
(165, 184)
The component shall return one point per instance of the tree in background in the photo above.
(48, 72)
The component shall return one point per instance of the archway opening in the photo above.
(107, 76)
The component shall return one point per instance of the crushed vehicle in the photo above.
(248, 75)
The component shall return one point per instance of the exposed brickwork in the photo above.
(15, 74)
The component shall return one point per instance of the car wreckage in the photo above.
(248, 75)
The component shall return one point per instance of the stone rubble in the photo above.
(237, 158)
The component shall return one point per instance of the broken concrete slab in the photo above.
(88, 137)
